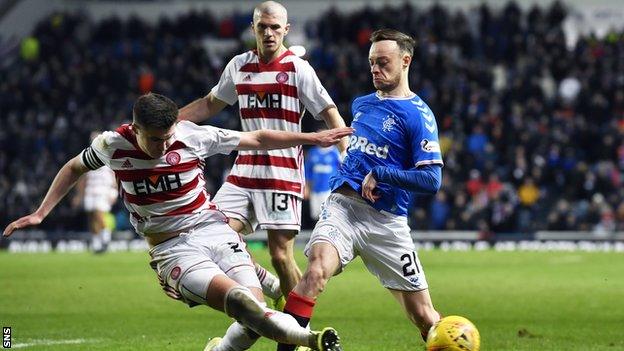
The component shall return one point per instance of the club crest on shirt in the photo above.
(175, 272)
(173, 158)
(281, 77)
(388, 123)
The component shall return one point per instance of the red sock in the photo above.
(299, 305)
(301, 308)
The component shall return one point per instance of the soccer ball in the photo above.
(453, 333)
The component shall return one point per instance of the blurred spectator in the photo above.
(440, 211)
(320, 164)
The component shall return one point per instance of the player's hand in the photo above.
(368, 188)
(332, 136)
(26, 221)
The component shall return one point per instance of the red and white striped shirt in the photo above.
(168, 193)
(271, 96)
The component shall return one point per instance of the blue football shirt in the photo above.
(399, 133)
(320, 164)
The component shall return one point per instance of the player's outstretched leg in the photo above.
(270, 286)
(213, 344)
(328, 340)
(237, 338)
(241, 305)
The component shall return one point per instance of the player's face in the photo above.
(386, 62)
(154, 142)
(270, 31)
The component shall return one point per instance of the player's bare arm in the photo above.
(201, 109)
(266, 139)
(65, 179)
(333, 119)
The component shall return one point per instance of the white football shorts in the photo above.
(98, 202)
(381, 239)
(316, 202)
(100, 190)
(264, 209)
(190, 261)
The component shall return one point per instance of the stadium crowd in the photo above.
(531, 131)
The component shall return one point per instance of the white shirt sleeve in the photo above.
(225, 90)
(99, 153)
(208, 140)
(311, 92)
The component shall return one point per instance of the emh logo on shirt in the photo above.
(261, 99)
(154, 184)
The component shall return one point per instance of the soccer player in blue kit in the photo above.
(394, 151)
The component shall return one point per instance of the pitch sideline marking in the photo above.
(48, 342)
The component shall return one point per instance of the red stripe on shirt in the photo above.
(284, 89)
(270, 113)
(261, 183)
(186, 209)
(267, 160)
(139, 174)
(274, 66)
(162, 196)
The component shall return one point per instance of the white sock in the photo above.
(96, 242)
(295, 334)
(105, 234)
(241, 305)
(237, 338)
(270, 283)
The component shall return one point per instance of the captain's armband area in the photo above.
(90, 159)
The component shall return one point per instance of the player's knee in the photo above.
(281, 259)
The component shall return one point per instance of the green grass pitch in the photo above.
(518, 300)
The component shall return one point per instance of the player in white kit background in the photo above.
(393, 152)
(198, 258)
(273, 88)
(97, 192)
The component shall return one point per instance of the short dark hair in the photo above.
(154, 111)
(405, 42)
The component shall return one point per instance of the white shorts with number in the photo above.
(268, 210)
(190, 261)
(381, 239)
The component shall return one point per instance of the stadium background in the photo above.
(519, 93)
(529, 99)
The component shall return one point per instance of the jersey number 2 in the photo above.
(407, 267)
